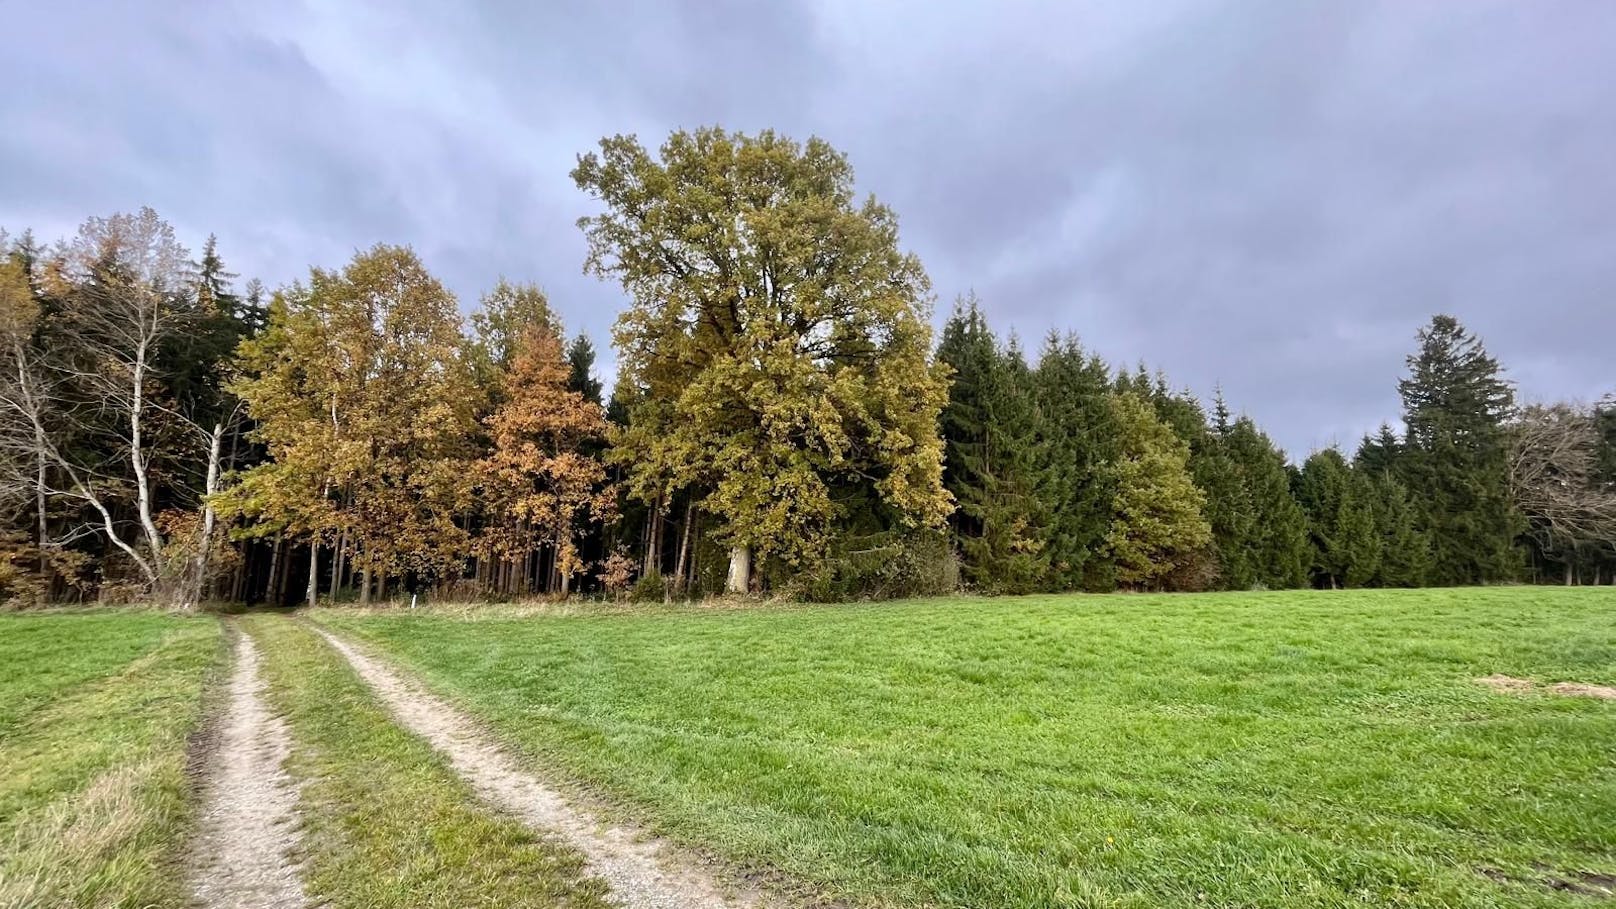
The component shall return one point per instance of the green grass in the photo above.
(1279, 749)
(386, 823)
(95, 713)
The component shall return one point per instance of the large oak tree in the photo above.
(777, 340)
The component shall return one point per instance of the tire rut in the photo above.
(641, 872)
(242, 858)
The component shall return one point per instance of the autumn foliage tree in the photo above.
(362, 392)
(777, 338)
(540, 484)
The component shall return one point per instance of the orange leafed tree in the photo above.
(542, 482)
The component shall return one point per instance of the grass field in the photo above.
(1276, 749)
(95, 712)
(385, 822)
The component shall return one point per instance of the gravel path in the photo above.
(242, 858)
(640, 872)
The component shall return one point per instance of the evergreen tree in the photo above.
(581, 362)
(1455, 403)
(991, 457)
(1077, 445)
(1229, 512)
(1341, 521)
(1377, 454)
(1158, 536)
(1275, 548)
(1405, 553)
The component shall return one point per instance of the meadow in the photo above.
(97, 715)
(1274, 749)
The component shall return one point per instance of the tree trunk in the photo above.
(204, 549)
(337, 559)
(274, 572)
(740, 570)
(45, 573)
(653, 546)
(137, 460)
(312, 592)
(684, 545)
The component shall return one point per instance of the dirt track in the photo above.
(247, 833)
(640, 872)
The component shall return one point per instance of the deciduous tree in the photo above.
(777, 335)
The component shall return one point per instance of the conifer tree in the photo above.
(1378, 454)
(1341, 521)
(1405, 553)
(1077, 445)
(1455, 403)
(1266, 543)
(991, 457)
(581, 366)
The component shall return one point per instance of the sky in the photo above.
(1264, 196)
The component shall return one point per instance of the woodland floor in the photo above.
(1411, 748)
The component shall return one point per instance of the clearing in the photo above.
(1446, 748)
(1275, 749)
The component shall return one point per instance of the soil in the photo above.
(247, 835)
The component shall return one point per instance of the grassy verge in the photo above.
(386, 822)
(1274, 749)
(95, 713)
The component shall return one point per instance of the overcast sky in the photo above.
(1270, 196)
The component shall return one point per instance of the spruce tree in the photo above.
(581, 361)
(1341, 521)
(1377, 454)
(1455, 403)
(1277, 547)
(1077, 444)
(1405, 550)
(991, 457)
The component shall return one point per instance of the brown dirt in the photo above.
(243, 847)
(1580, 690)
(1505, 684)
(642, 872)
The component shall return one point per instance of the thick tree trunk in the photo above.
(364, 586)
(740, 570)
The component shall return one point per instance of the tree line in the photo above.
(781, 422)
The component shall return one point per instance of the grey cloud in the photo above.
(1266, 196)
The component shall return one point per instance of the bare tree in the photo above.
(87, 410)
(1554, 480)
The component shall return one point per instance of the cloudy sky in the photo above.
(1265, 195)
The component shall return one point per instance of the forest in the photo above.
(783, 422)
